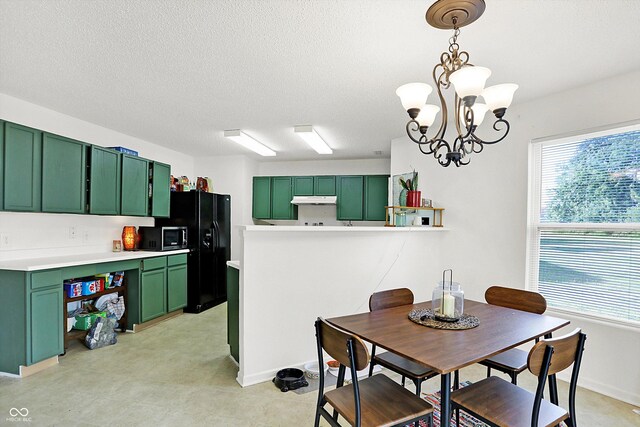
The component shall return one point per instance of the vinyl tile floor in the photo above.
(179, 373)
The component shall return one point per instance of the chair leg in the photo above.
(488, 371)
(457, 417)
(403, 381)
(316, 423)
(514, 378)
(456, 380)
(418, 387)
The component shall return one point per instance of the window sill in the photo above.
(605, 321)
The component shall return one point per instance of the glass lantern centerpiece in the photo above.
(448, 299)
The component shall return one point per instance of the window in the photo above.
(584, 223)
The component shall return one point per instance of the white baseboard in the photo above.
(609, 390)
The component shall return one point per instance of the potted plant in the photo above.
(411, 185)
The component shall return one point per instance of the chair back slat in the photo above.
(517, 299)
(390, 298)
(565, 350)
(334, 342)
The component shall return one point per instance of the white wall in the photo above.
(232, 175)
(486, 209)
(325, 167)
(32, 115)
(38, 234)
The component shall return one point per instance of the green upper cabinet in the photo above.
(22, 168)
(261, 197)
(161, 188)
(104, 181)
(64, 174)
(135, 186)
(324, 185)
(376, 193)
(281, 195)
(303, 186)
(350, 198)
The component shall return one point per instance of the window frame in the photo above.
(535, 226)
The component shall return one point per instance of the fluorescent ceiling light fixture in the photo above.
(248, 142)
(313, 139)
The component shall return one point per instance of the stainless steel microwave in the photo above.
(163, 238)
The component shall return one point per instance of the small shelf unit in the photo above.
(437, 214)
(75, 334)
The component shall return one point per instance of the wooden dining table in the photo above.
(446, 351)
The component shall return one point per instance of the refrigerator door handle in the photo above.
(216, 229)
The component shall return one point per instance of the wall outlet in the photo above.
(5, 241)
(73, 233)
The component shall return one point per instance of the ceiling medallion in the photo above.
(468, 82)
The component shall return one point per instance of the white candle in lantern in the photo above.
(448, 305)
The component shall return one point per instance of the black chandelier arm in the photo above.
(422, 140)
(497, 128)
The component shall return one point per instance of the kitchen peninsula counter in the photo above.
(289, 275)
(61, 261)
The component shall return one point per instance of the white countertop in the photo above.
(34, 264)
(234, 264)
(353, 229)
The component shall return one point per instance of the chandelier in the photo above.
(468, 81)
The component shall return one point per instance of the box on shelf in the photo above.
(85, 320)
(124, 150)
(73, 289)
(89, 287)
(99, 284)
(107, 278)
(117, 279)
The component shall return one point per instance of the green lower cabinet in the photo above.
(153, 287)
(176, 287)
(233, 312)
(46, 323)
(261, 197)
(104, 181)
(64, 175)
(376, 194)
(161, 189)
(350, 198)
(22, 184)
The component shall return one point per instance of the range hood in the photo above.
(314, 200)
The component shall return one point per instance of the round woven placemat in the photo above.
(425, 317)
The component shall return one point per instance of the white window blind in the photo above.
(584, 242)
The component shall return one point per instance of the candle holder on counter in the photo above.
(448, 299)
(129, 238)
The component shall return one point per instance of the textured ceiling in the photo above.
(178, 73)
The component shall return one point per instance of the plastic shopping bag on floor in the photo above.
(101, 333)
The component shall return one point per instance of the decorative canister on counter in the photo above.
(448, 299)
(401, 219)
(117, 246)
(129, 237)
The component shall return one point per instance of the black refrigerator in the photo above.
(208, 218)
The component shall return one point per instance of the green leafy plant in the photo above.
(410, 184)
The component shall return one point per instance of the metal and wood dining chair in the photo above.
(500, 403)
(401, 365)
(375, 401)
(512, 362)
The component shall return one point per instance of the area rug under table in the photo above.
(466, 420)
